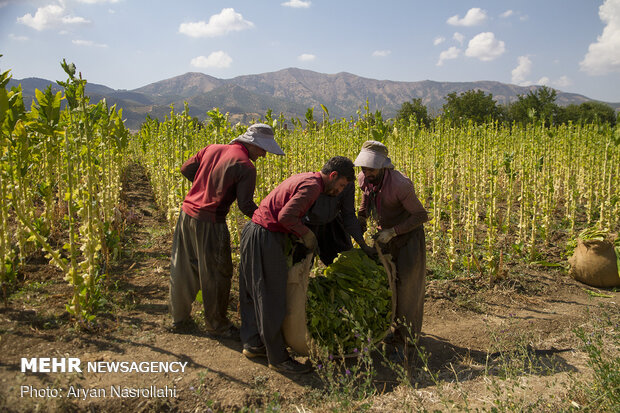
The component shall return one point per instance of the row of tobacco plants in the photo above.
(495, 193)
(60, 186)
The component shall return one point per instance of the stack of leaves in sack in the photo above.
(348, 301)
(596, 259)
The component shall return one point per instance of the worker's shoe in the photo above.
(397, 355)
(183, 327)
(230, 332)
(291, 366)
(389, 338)
(253, 352)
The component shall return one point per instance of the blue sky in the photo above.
(570, 45)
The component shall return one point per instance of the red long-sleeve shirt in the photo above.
(285, 206)
(220, 174)
(395, 201)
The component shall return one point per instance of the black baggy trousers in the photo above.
(263, 273)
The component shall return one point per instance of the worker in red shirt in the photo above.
(265, 248)
(389, 197)
(201, 255)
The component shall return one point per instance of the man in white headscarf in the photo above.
(389, 197)
(201, 256)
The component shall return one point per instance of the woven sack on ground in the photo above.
(594, 263)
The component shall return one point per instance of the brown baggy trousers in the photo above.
(410, 260)
(201, 260)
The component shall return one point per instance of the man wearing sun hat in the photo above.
(389, 197)
(201, 256)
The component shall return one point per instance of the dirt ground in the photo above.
(466, 323)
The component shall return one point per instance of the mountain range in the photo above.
(289, 91)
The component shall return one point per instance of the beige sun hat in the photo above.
(261, 135)
(374, 155)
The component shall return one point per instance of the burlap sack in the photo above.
(295, 326)
(594, 263)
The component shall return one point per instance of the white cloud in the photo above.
(522, 71)
(18, 38)
(604, 55)
(506, 14)
(451, 53)
(218, 60)
(97, 1)
(88, 43)
(381, 53)
(297, 4)
(49, 17)
(74, 20)
(439, 40)
(564, 81)
(306, 57)
(219, 24)
(458, 37)
(485, 46)
(474, 17)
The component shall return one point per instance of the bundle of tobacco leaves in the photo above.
(349, 304)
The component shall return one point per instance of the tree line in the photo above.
(537, 105)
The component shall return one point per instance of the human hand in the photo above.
(385, 235)
(371, 252)
(309, 240)
(363, 224)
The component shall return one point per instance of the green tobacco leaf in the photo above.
(41, 98)
(593, 234)
(56, 107)
(597, 294)
(547, 264)
(69, 68)
(4, 78)
(4, 104)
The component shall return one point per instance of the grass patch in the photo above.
(600, 340)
